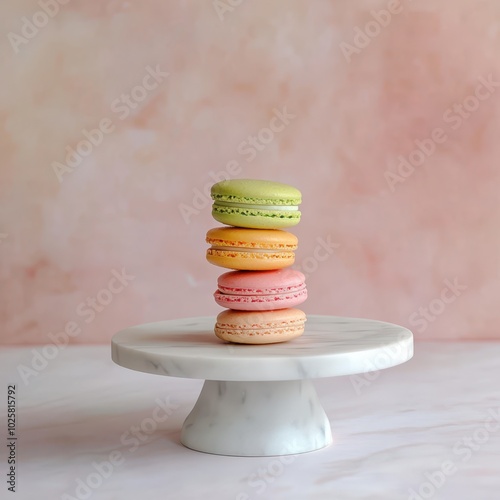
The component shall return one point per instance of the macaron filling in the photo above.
(248, 253)
(261, 291)
(262, 206)
(243, 249)
(265, 325)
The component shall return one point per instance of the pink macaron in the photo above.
(261, 290)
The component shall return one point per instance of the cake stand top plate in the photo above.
(330, 346)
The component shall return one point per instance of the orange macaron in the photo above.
(251, 249)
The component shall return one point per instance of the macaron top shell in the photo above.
(261, 282)
(256, 192)
(251, 238)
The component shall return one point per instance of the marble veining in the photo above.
(257, 419)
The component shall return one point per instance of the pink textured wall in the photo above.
(388, 231)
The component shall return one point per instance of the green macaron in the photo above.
(256, 204)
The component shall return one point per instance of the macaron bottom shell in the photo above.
(260, 302)
(250, 261)
(256, 219)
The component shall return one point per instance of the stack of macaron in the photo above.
(261, 292)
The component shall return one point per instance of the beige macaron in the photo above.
(260, 327)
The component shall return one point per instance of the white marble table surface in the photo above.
(440, 410)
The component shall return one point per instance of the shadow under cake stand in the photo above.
(259, 400)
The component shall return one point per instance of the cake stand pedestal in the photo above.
(258, 400)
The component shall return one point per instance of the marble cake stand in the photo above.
(258, 400)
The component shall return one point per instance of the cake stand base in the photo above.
(257, 419)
